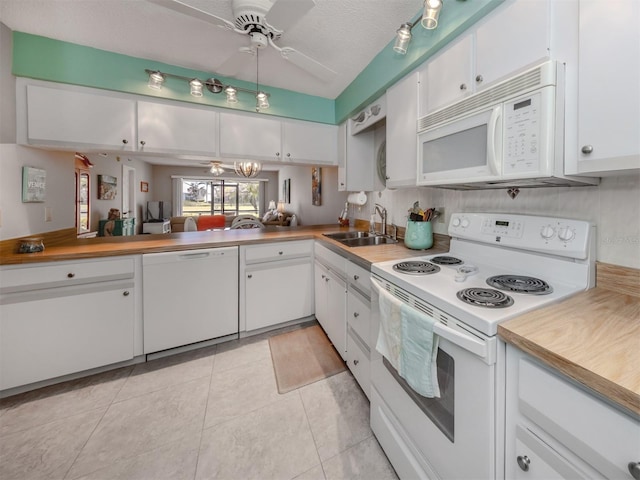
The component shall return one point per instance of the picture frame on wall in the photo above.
(144, 187)
(34, 185)
(286, 190)
(316, 186)
(107, 187)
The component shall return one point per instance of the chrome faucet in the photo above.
(380, 210)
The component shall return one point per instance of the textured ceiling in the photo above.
(344, 35)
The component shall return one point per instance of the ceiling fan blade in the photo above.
(286, 13)
(178, 6)
(233, 64)
(307, 64)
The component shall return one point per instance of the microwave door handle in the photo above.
(494, 120)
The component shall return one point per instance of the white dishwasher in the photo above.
(189, 296)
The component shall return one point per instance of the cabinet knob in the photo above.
(523, 462)
(634, 469)
(71, 275)
(326, 279)
(341, 184)
(277, 154)
(463, 86)
(587, 149)
(356, 277)
(356, 362)
(323, 276)
(125, 293)
(280, 253)
(288, 155)
(479, 79)
(387, 177)
(249, 276)
(356, 314)
(143, 143)
(125, 141)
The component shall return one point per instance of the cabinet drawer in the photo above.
(598, 433)
(359, 277)
(358, 362)
(330, 259)
(34, 277)
(359, 315)
(277, 251)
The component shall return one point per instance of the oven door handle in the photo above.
(467, 342)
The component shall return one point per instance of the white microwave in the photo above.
(509, 135)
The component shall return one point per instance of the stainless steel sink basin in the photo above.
(347, 235)
(370, 240)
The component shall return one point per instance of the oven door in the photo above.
(453, 436)
(464, 151)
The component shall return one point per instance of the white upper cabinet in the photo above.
(250, 136)
(402, 113)
(357, 161)
(64, 118)
(164, 128)
(516, 35)
(608, 87)
(308, 142)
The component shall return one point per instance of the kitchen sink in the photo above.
(348, 235)
(360, 239)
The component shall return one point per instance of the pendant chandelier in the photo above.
(247, 169)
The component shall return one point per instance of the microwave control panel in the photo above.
(522, 135)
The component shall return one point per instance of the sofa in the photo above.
(282, 219)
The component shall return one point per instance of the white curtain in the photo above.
(176, 196)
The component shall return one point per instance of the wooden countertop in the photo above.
(592, 337)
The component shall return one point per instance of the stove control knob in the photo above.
(547, 232)
(455, 221)
(566, 234)
(465, 222)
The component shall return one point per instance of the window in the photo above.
(83, 224)
(216, 197)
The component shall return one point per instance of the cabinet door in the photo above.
(278, 292)
(336, 313)
(402, 114)
(320, 299)
(516, 35)
(308, 142)
(252, 137)
(65, 118)
(360, 162)
(89, 329)
(342, 157)
(174, 129)
(448, 76)
(608, 92)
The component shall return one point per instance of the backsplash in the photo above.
(612, 206)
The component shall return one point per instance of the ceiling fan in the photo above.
(217, 168)
(264, 23)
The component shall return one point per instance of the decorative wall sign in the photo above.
(316, 186)
(107, 187)
(34, 183)
(144, 187)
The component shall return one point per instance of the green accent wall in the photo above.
(57, 61)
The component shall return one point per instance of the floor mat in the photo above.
(302, 357)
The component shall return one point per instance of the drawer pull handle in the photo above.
(523, 462)
(143, 143)
(71, 275)
(356, 314)
(249, 276)
(356, 277)
(634, 469)
(125, 293)
(125, 141)
(356, 362)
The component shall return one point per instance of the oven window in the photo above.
(439, 410)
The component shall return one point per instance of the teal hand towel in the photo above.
(390, 330)
(418, 351)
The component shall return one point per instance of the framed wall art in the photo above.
(34, 184)
(107, 187)
(286, 190)
(144, 187)
(316, 186)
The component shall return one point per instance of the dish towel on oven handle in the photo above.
(390, 331)
(407, 341)
(418, 351)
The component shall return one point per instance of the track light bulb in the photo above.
(156, 79)
(196, 87)
(232, 94)
(431, 14)
(262, 101)
(403, 37)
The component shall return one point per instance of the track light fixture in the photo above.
(213, 85)
(428, 20)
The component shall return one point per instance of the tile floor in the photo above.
(209, 413)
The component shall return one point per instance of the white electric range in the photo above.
(499, 266)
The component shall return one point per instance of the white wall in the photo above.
(301, 204)
(613, 206)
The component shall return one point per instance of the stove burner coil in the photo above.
(485, 297)
(445, 260)
(416, 268)
(520, 284)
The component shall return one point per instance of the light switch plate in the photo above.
(48, 214)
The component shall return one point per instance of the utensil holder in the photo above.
(418, 235)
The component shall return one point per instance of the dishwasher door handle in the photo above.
(193, 256)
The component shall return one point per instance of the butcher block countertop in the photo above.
(592, 337)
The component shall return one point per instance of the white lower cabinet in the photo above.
(557, 429)
(358, 362)
(189, 296)
(65, 318)
(276, 283)
(331, 302)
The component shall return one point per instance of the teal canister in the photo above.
(418, 235)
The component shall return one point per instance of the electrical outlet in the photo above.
(440, 218)
(48, 214)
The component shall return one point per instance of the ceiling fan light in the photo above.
(156, 79)
(232, 94)
(216, 168)
(262, 101)
(403, 37)
(431, 14)
(247, 169)
(196, 87)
